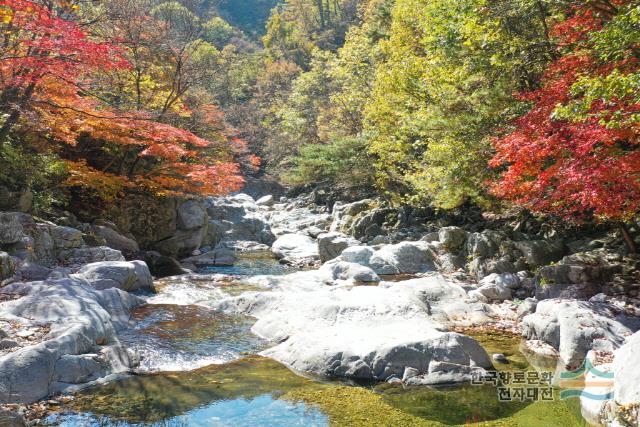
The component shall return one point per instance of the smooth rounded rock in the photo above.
(296, 247)
(265, 201)
(124, 275)
(331, 245)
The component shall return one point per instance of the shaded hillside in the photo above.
(250, 16)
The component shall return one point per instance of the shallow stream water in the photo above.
(200, 368)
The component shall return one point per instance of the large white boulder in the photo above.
(124, 275)
(357, 254)
(576, 327)
(81, 346)
(363, 331)
(331, 245)
(342, 270)
(627, 372)
(403, 258)
(296, 247)
(265, 201)
(496, 287)
(359, 352)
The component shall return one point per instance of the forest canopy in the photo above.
(533, 103)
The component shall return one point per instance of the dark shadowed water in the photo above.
(251, 264)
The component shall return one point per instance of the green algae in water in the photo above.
(463, 404)
(267, 390)
(477, 404)
(506, 343)
(159, 397)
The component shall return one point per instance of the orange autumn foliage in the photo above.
(49, 70)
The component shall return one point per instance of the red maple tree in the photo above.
(582, 168)
(48, 67)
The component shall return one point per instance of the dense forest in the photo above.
(495, 103)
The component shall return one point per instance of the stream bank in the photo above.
(393, 316)
(248, 390)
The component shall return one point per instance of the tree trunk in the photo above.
(16, 112)
(543, 20)
(132, 169)
(320, 4)
(628, 238)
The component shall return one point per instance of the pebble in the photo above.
(7, 344)
(394, 380)
(499, 357)
(25, 334)
(410, 373)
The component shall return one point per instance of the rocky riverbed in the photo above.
(281, 310)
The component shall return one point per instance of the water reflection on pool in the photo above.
(252, 263)
(262, 410)
(255, 391)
